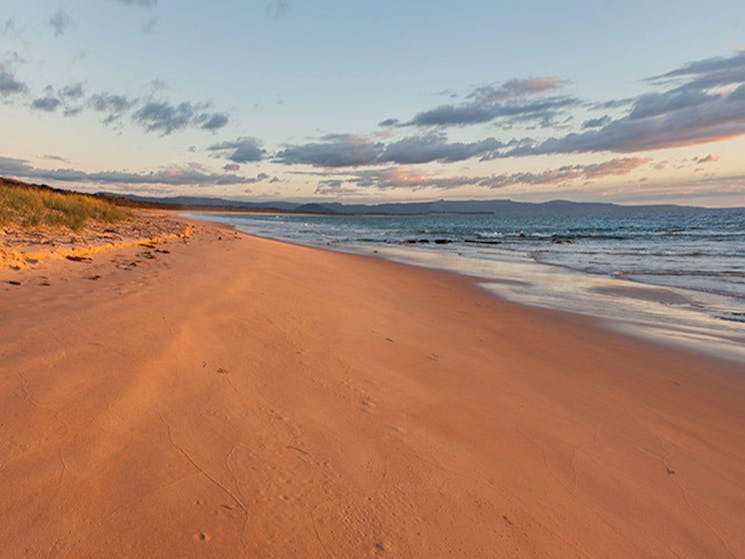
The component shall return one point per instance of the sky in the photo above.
(634, 102)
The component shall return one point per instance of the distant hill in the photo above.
(502, 207)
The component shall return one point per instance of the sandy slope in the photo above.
(245, 397)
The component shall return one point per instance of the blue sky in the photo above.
(635, 102)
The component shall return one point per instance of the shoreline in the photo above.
(689, 333)
(238, 395)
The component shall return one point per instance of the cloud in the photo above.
(412, 178)
(113, 105)
(389, 178)
(141, 3)
(707, 73)
(54, 158)
(490, 102)
(719, 117)
(425, 149)
(48, 104)
(711, 158)
(347, 150)
(231, 167)
(213, 121)
(515, 89)
(337, 150)
(9, 85)
(242, 150)
(72, 91)
(173, 176)
(278, 8)
(596, 122)
(166, 118)
(475, 113)
(61, 22)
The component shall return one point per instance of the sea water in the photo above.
(676, 275)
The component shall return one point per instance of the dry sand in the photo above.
(245, 397)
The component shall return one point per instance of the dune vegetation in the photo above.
(30, 205)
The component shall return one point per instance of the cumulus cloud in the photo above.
(9, 85)
(173, 176)
(48, 104)
(166, 118)
(72, 91)
(112, 105)
(212, 121)
(242, 150)
(61, 22)
(413, 178)
(347, 150)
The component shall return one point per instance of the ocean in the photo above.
(674, 275)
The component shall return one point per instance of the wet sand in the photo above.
(221, 395)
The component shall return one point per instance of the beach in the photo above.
(216, 394)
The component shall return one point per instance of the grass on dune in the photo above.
(32, 206)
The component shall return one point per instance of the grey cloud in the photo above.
(160, 116)
(389, 122)
(166, 118)
(113, 105)
(242, 150)
(172, 176)
(48, 104)
(693, 112)
(231, 167)
(9, 84)
(61, 22)
(425, 149)
(55, 157)
(596, 122)
(652, 104)
(72, 91)
(212, 121)
(353, 151)
(157, 116)
(612, 104)
(709, 72)
(718, 120)
(337, 151)
(475, 113)
(515, 89)
(494, 101)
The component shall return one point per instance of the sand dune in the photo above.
(243, 397)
